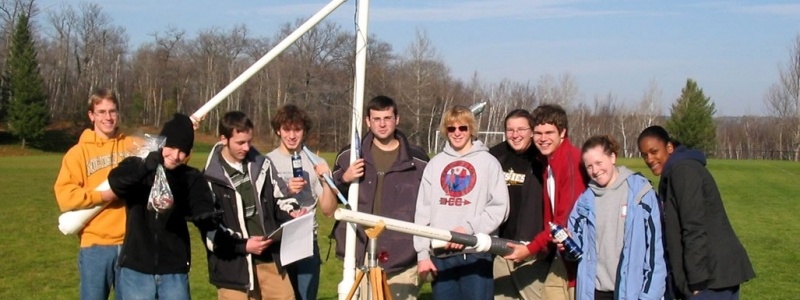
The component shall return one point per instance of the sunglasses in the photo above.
(462, 128)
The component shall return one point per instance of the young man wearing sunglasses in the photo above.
(463, 189)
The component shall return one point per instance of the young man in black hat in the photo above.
(156, 258)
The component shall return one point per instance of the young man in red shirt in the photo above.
(564, 181)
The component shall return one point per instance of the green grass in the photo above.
(40, 263)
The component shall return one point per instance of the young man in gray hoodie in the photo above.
(463, 189)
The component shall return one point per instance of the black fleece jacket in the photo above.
(525, 217)
(158, 243)
(702, 249)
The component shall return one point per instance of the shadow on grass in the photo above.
(53, 140)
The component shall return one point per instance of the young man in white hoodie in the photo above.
(463, 189)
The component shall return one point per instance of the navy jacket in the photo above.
(702, 248)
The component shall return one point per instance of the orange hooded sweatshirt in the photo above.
(84, 167)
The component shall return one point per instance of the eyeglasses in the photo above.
(462, 128)
(101, 113)
(518, 130)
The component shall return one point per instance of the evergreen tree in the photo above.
(27, 106)
(5, 94)
(692, 119)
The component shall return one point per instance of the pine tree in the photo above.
(692, 119)
(27, 106)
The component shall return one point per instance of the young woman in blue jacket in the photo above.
(617, 224)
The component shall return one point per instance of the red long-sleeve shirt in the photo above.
(570, 181)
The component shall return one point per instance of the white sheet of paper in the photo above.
(297, 239)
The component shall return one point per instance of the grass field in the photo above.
(761, 198)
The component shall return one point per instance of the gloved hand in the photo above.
(152, 160)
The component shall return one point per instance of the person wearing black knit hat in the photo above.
(180, 139)
(179, 133)
(156, 258)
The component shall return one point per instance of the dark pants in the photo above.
(729, 293)
(603, 295)
(463, 276)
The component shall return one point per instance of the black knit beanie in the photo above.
(179, 133)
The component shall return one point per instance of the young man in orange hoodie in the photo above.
(565, 179)
(85, 166)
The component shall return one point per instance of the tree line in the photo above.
(78, 48)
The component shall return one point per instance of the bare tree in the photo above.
(562, 90)
(420, 71)
(783, 99)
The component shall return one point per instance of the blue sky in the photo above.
(731, 48)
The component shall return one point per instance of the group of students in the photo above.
(637, 244)
(140, 248)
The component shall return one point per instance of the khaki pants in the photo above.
(270, 284)
(520, 280)
(556, 285)
(403, 285)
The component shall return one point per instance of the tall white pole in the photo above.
(258, 65)
(349, 268)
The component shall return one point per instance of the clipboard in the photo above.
(276, 235)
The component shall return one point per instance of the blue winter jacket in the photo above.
(642, 271)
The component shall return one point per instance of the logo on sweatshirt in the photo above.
(458, 178)
(513, 178)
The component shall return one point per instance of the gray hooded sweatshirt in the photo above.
(466, 190)
(611, 209)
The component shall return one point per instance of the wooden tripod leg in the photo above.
(359, 277)
(375, 283)
(386, 291)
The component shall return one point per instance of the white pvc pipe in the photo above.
(326, 176)
(258, 65)
(479, 242)
(72, 222)
(349, 264)
(370, 220)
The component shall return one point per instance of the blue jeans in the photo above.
(141, 286)
(98, 270)
(304, 275)
(463, 276)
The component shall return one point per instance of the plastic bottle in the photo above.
(297, 165)
(572, 251)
